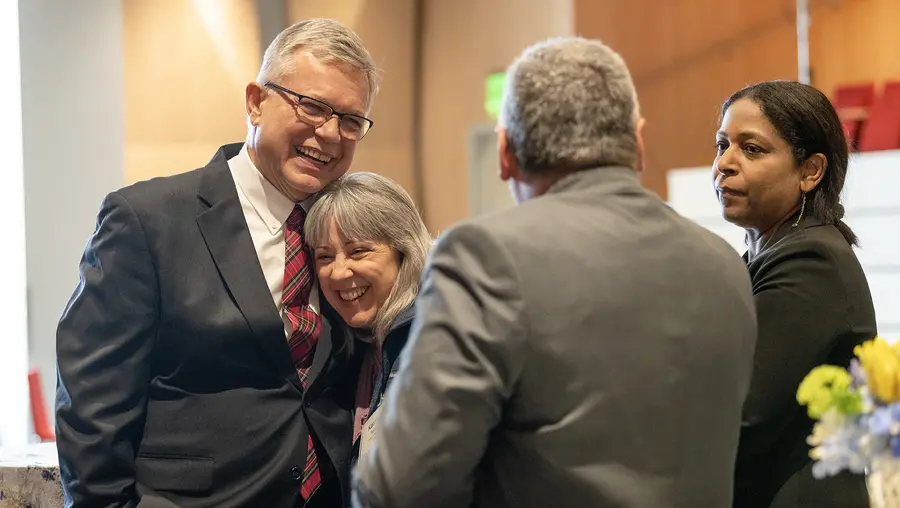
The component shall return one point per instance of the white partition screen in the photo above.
(14, 427)
(872, 210)
(487, 193)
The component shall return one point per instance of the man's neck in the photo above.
(541, 183)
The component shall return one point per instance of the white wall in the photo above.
(73, 125)
(871, 209)
(14, 343)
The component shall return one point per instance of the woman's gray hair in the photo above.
(569, 104)
(325, 39)
(367, 206)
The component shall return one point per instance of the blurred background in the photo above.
(103, 93)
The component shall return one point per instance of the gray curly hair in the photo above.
(569, 103)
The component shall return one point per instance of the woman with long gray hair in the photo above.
(370, 247)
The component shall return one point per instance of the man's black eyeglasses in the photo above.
(315, 113)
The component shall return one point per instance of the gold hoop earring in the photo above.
(802, 209)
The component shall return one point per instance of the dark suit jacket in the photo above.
(175, 384)
(814, 307)
(587, 348)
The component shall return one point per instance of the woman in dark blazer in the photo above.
(780, 166)
(370, 247)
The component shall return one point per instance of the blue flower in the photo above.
(842, 443)
(895, 446)
(895, 412)
(879, 422)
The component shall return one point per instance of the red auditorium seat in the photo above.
(852, 103)
(881, 131)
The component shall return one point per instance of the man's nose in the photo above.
(331, 129)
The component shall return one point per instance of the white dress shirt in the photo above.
(266, 210)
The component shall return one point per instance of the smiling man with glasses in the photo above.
(198, 365)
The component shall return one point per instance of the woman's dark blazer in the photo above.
(394, 342)
(813, 306)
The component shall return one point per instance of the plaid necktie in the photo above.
(305, 324)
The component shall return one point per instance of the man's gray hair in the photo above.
(326, 39)
(370, 207)
(569, 104)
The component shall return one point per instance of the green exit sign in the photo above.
(493, 93)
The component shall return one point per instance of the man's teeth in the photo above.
(353, 294)
(314, 154)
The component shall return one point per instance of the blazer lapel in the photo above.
(225, 231)
(323, 352)
(331, 341)
(334, 373)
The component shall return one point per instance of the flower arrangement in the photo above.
(857, 413)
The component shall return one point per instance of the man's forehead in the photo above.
(336, 83)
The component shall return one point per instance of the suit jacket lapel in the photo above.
(333, 374)
(224, 229)
(331, 341)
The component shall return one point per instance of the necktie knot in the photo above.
(296, 218)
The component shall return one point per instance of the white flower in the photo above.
(839, 443)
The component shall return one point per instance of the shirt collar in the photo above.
(270, 204)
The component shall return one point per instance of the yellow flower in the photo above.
(881, 363)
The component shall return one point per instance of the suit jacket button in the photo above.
(296, 473)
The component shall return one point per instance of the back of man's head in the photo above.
(570, 104)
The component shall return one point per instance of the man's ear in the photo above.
(639, 138)
(254, 95)
(812, 171)
(509, 167)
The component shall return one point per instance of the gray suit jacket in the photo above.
(588, 348)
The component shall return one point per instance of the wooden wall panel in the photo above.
(686, 57)
(187, 62)
(854, 41)
(186, 66)
(465, 40)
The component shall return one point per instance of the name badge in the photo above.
(367, 436)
